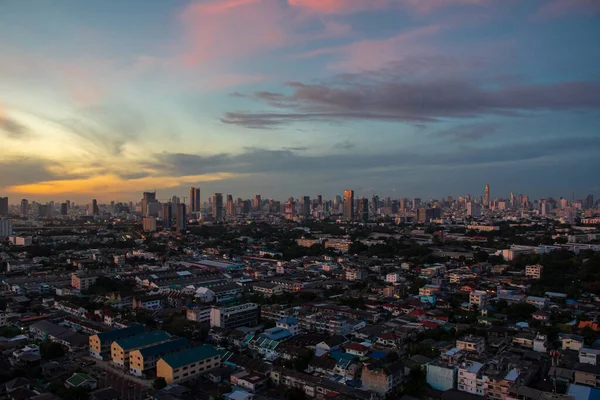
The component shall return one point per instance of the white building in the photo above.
(355, 275)
(5, 227)
(198, 314)
(469, 379)
(534, 271)
(291, 324)
(589, 356)
(478, 298)
(393, 277)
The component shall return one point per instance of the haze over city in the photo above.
(287, 98)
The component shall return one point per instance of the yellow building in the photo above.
(101, 342)
(188, 365)
(122, 348)
(143, 360)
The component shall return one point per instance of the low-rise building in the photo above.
(441, 375)
(589, 356)
(470, 379)
(198, 314)
(474, 344)
(478, 298)
(82, 282)
(534, 271)
(143, 360)
(122, 348)
(382, 379)
(188, 365)
(291, 324)
(267, 289)
(100, 343)
(235, 316)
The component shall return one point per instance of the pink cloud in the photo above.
(560, 8)
(231, 28)
(231, 80)
(352, 6)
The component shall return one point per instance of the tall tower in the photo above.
(24, 207)
(306, 207)
(148, 198)
(349, 205)
(486, 201)
(230, 206)
(181, 217)
(363, 209)
(167, 215)
(257, 203)
(194, 199)
(3, 206)
(217, 206)
(95, 209)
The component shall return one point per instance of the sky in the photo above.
(402, 98)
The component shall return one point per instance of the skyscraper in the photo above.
(64, 210)
(230, 206)
(319, 199)
(486, 200)
(473, 209)
(217, 207)
(167, 215)
(194, 199)
(289, 209)
(306, 207)
(349, 205)
(363, 209)
(3, 206)
(148, 197)
(95, 208)
(181, 217)
(257, 206)
(24, 207)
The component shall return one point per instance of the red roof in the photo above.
(430, 324)
(356, 347)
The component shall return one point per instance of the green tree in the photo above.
(50, 350)
(159, 383)
(294, 394)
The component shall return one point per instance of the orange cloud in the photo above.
(112, 184)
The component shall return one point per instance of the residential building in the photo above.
(470, 379)
(267, 289)
(188, 365)
(393, 277)
(100, 343)
(587, 374)
(148, 302)
(355, 275)
(539, 302)
(149, 224)
(478, 298)
(122, 348)
(291, 324)
(198, 314)
(471, 343)
(382, 379)
(441, 375)
(349, 205)
(429, 290)
(143, 360)
(82, 282)
(235, 316)
(534, 271)
(589, 356)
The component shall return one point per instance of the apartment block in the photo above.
(145, 359)
(188, 365)
(122, 348)
(235, 316)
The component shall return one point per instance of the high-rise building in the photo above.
(589, 202)
(24, 207)
(175, 200)
(181, 217)
(230, 206)
(486, 200)
(349, 205)
(64, 209)
(149, 224)
(306, 207)
(167, 215)
(3, 206)
(363, 209)
(416, 203)
(95, 208)
(246, 206)
(425, 215)
(257, 206)
(217, 206)
(148, 198)
(289, 209)
(194, 199)
(319, 200)
(473, 209)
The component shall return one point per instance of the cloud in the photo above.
(561, 8)
(25, 170)
(13, 129)
(394, 96)
(354, 6)
(469, 132)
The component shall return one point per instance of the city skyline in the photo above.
(106, 100)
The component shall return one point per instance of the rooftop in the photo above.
(120, 333)
(146, 339)
(166, 347)
(190, 356)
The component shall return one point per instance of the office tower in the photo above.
(246, 206)
(416, 203)
(486, 200)
(289, 209)
(545, 208)
(148, 198)
(3, 206)
(564, 203)
(44, 211)
(319, 200)
(274, 207)
(306, 207)
(363, 209)
(149, 224)
(257, 206)
(217, 207)
(473, 209)
(230, 206)
(5, 228)
(513, 200)
(167, 215)
(374, 203)
(95, 208)
(24, 207)
(589, 202)
(181, 217)
(349, 205)
(64, 209)
(425, 215)
(154, 209)
(175, 200)
(194, 199)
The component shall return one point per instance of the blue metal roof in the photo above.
(111, 336)
(165, 348)
(135, 342)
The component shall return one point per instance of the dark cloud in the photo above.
(13, 129)
(397, 95)
(24, 171)
(237, 94)
(255, 160)
(469, 132)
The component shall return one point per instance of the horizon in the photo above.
(397, 98)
